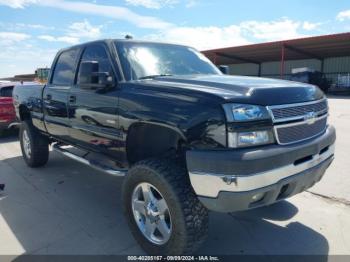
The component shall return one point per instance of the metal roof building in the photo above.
(329, 54)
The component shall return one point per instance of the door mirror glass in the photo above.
(90, 77)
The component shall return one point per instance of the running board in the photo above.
(92, 163)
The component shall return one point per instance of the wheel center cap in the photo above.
(152, 212)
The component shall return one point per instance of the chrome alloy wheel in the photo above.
(151, 213)
(26, 144)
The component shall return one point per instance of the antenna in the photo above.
(128, 37)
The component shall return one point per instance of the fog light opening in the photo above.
(257, 197)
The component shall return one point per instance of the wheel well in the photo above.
(151, 140)
(24, 113)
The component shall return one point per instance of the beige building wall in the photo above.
(331, 65)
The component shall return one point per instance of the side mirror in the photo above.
(224, 69)
(90, 77)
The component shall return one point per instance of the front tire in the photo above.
(34, 145)
(162, 211)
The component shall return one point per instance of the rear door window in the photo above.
(64, 71)
(6, 91)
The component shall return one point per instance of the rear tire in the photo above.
(187, 218)
(34, 145)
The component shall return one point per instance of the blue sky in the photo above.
(31, 31)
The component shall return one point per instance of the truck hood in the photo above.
(252, 90)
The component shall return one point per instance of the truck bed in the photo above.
(31, 96)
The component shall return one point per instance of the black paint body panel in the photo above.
(247, 90)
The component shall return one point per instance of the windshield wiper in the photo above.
(153, 76)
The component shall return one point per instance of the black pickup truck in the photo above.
(186, 137)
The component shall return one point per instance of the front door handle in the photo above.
(72, 99)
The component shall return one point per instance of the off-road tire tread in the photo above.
(194, 213)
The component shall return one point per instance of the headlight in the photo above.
(242, 112)
(250, 138)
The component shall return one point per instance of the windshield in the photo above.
(143, 60)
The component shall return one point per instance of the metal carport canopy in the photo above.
(318, 47)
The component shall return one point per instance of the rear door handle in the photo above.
(48, 97)
(72, 99)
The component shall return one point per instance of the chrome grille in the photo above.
(282, 113)
(300, 132)
(298, 122)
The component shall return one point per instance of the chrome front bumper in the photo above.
(211, 184)
(269, 171)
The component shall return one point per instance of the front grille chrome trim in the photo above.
(297, 120)
(297, 104)
(300, 122)
(298, 141)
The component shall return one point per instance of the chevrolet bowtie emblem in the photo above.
(310, 118)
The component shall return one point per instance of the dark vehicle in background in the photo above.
(313, 77)
(7, 110)
(186, 138)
